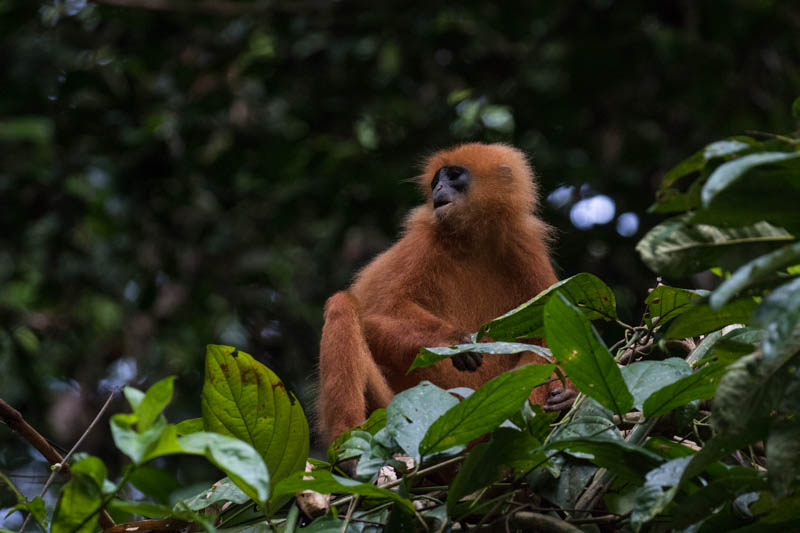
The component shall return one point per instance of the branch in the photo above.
(15, 421)
(529, 521)
(166, 524)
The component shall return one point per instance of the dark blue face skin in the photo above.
(449, 183)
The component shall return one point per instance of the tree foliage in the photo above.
(637, 451)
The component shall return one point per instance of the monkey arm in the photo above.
(395, 339)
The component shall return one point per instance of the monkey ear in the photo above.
(505, 171)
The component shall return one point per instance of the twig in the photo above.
(349, 515)
(529, 521)
(165, 524)
(57, 463)
(16, 422)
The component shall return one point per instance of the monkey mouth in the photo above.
(440, 203)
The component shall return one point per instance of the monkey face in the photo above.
(449, 186)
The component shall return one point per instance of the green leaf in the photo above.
(701, 318)
(779, 315)
(754, 271)
(487, 463)
(191, 425)
(796, 108)
(698, 160)
(412, 412)
(733, 345)
(698, 386)
(141, 508)
(581, 353)
(375, 422)
(722, 445)
(245, 399)
(484, 410)
(238, 459)
(429, 356)
(587, 291)
(667, 302)
(157, 440)
(645, 377)
(326, 483)
(755, 187)
(157, 483)
(676, 249)
(628, 461)
(658, 491)
(703, 502)
(223, 490)
(153, 403)
(669, 199)
(81, 498)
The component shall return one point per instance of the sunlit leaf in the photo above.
(81, 498)
(581, 353)
(665, 302)
(245, 399)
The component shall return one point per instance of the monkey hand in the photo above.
(560, 399)
(467, 361)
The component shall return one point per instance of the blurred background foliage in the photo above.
(178, 173)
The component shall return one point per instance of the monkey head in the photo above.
(473, 185)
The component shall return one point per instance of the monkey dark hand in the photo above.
(560, 399)
(467, 361)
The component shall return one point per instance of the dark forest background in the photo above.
(178, 173)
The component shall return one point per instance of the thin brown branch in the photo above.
(15, 421)
(166, 524)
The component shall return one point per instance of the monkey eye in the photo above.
(435, 181)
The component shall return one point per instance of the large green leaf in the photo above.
(676, 249)
(78, 507)
(666, 302)
(484, 410)
(237, 458)
(579, 350)
(245, 399)
(754, 271)
(779, 315)
(701, 318)
(223, 490)
(585, 290)
(698, 386)
(429, 356)
(324, 482)
(760, 186)
(413, 411)
(645, 377)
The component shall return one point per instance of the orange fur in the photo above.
(450, 272)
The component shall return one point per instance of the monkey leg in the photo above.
(350, 381)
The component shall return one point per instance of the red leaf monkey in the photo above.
(473, 251)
